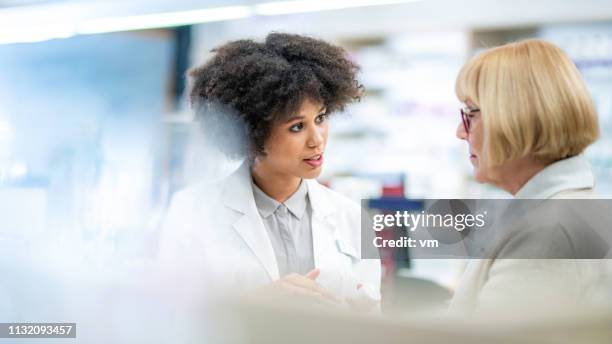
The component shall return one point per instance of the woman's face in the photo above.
(475, 139)
(295, 147)
(510, 175)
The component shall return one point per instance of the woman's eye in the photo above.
(473, 114)
(321, 118)
(296, 127)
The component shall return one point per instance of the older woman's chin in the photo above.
(480, 176)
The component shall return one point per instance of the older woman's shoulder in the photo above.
(586, 193)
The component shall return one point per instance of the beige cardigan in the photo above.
(532, 285)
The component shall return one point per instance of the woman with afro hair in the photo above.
(270, 226)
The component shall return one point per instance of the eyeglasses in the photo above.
(466, 117)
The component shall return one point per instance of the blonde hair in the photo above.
(533, 102)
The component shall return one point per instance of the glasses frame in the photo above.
(466, 119)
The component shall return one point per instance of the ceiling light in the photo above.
(161, 20)
(302, 6)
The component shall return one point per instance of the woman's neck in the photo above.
(520, 172)
(278, 186)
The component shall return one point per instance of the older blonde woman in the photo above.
(528, 117)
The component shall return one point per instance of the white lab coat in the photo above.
(214, 229)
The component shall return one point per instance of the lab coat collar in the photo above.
(238, 195)
(321, 205)
(237, 191)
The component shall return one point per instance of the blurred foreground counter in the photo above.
(259, 322)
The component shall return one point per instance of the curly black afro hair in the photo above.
(248, 86)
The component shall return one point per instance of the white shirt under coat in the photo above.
(289, 229)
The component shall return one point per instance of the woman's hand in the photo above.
(299, 288)
(363, 299)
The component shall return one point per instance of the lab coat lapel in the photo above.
(331, 246)
(238, 195)
(324, 234)
(322, 240)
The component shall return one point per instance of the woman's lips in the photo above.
(315, 161)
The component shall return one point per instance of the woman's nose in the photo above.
(461, 133)
(316, 138)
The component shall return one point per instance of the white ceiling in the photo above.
(42, 18)
(11, 3)
(428, 10)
